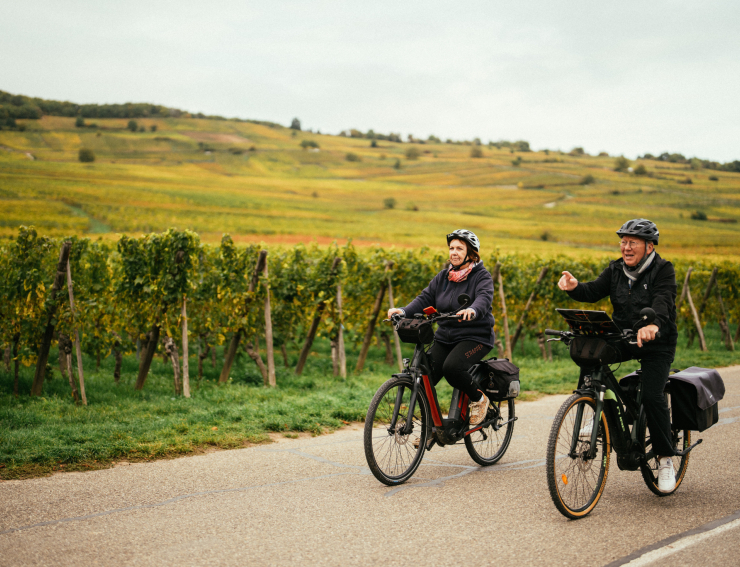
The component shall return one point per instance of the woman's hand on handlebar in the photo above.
(395, 311)
(466, 314)
(647, 334)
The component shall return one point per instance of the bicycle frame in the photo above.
(448, 430)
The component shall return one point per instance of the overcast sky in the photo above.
(624, 77)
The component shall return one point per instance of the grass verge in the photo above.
(39, 436)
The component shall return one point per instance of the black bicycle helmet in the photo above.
(466, 235)
(641, 228)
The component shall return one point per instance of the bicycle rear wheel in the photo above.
(649, 469)
(576, 483)
(486, 446)
(392, 455)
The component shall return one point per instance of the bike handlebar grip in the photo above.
(553, 333)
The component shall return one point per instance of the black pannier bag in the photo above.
(498, 378)
(415, 331)
(592, 351)
(695, 393)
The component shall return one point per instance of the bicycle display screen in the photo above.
(589, 322)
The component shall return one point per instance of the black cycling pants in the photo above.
(453, 362)
(656, 366)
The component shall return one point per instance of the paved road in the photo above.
(313, 502)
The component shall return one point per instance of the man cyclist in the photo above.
(641, 278)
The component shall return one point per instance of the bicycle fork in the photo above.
(591, 453)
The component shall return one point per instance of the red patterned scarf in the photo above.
(461, 275)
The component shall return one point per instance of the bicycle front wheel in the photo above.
(486, 446)
(649, 468)
(392, 455)
(576, 482)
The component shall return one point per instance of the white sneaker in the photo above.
(585, 432)
(478, 410)
(666, 475)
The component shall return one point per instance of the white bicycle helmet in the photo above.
(466, 235)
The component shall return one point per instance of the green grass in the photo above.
(143, 182)
(46, 434)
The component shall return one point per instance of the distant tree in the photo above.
(695, 163)
(397, 165)
(476, 152)
(699, 215)
(433, 139)
(713, 178)
(352, 157)
(621, 164)
(577, 151)
(80, 122)
(641, 170)
(413, 153)
(516, 162)
(389, 203)
(142, 128)
(153, 128)
(373, 143)
(687, 181)
(295, 125)
(132, 125)
(587, 180)
(305, 144)
(86, 155)
(477, 142)
(522, 146)
(603, 154)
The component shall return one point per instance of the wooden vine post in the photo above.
(236, 337)
(78, 350)
(315, 323)
(496, 276)
(372, 320)
(531, 299)
(703, 304)
(723, 323)
(340, 335)
(396, 340)
(185, 349)
(51, 308)
(697, 322)
(269, 345)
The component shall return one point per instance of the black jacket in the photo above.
(656, 288)
(442, 294)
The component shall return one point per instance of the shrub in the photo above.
(641, 170)
(699, 215)
(587, 180)
(305, 144)
(236, 151)
(352, 157)
(621, 164)
(516, 162)
(476, 152)
(546, 237)
(295, 124)
(686, 181)
(142, 128)
(86, 155)
(577, 152)
(80, 122)
(373, 144)
(713, 178)
(397, 165)
(252, 148)
(413, 153)
(695, 163)
(132, 125)
(389, 203)
(603, 154)
(412, 207)
(153, 128)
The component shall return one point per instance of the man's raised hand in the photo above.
(567, 282)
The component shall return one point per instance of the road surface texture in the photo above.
(312, 501)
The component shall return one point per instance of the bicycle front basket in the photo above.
(592, 351)
(415, 331)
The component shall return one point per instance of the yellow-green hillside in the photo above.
(257, 183)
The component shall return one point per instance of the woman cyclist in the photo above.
(459, 344)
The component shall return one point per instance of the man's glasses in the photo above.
(632, 244)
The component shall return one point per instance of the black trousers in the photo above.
(656, 366)
(453, 362)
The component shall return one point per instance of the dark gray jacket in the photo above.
(655, 288)
(442, 295)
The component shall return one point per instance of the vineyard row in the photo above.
(168, 291)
